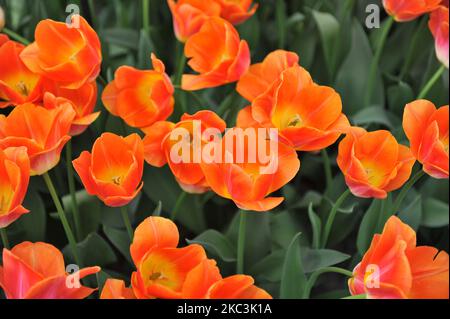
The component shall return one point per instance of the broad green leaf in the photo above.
(316, 225)
(368, 226)
(435, 213)
(372, 115)
(33, 224)
(119, 238)
(127, 38)
(293, 279)
(315, 259)
(94, 251)
(217, 244)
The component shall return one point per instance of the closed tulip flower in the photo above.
(69, 56)
(394, 267)
(140, 98)
(439, 28)
(403, 11)
(217, 53)
(113, 171)
(43, 132)
(37, 271)
(373, 163)
(427, 130)
(14, 178)
(237, 11)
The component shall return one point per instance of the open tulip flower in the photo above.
(438, 25)
(162, 137)
(14, 178)
(217, 53)
(44, 132)
(403, 11)
(18, 84)
(37, 271)
(113, 171)
(238, 11)
(394, 267)
(69, 56)
(427, 130)
(373, 163)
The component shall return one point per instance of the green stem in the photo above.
(15, 36)
(412, 48)
(179, 75)
(431, 82)
(315, 275)
(241, 242)
(63, 218)
(362, 296)
(126, 221)
(281, 23)
(376, 61)
(72, 190)
(332, 216)
(177, 206)
(5, 240)
(399, 200)
(327, 168)
(146, 14)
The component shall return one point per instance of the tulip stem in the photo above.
(327, 168)
(241, 242)
(399, 200)
(15, 36)
(281, 23)
(332, 216)
(177, 206)
(315, 275)
(63, 218)
(145, 14)
(429, 85)
(376, 61)
(126, 221)
(72, 190)
(179, 74)
(5, 240)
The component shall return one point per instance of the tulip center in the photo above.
(22, 88)
(295, 121)
(374, 174)
(117, 180)
(157, 269)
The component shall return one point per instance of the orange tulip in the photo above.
(261, 77)
(115, 289)
(14, 178)
(427, 131)
(190, 15)
(403, 11)
(237, 11)
(237, 287)
(37, 271)
(246, 180)
(140, 98)
(69, 56)
(113, 171)
(395, 268)
(162, 137)
(373, 163)
(217, 53)
(18, 84)
(43, 132)
(439, 28)
(3, 39)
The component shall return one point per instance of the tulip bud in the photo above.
(2, 19)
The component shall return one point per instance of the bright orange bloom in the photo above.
(217, 53)
(3, 39)
(18, 84)
(162, 138)
(69, 56)
(373, 163)
(190, 15)
(427, 130)
(237, 11)
(261, 77)
(43, 132)
(246, 177)
(403, 11)
(37, 271)
(113, 171)
(14, 178)
(140, 98)
(165, 271)
(115, 289)
(439, 28)
(395, 268)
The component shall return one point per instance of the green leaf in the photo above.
(435, 213)
(127, 38)
(316, 224)
(216, 243)
(33, 223)
(329, 30)
(146, 47)
(283, 226)
(293, 279)
(270, 267)
(94, 251)
(315, 259)
(411, 210)
(398, 96)
(372, 115)
(119, 238)
(368, 226)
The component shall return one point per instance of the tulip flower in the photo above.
(395, 268)
(14, 177)
(113, 171)
(403, 11)
(115, 289)
(373, 163)
(140, 98)
(237, 287)
(70, 56)
(164, 138)
(190, 15)
(3, 39)
(217, 54)
(439, 28)
(37, 271)
(427, 130)
(261, 77)
(18, 84)
(246, 177)
(238, 11)
(43, 132)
